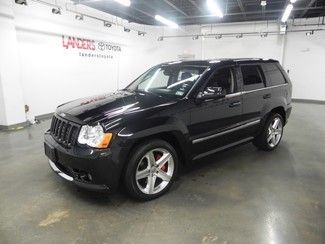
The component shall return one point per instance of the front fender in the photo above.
(156, 127)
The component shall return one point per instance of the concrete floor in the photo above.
(239, 196)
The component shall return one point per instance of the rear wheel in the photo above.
(271, 134)
(151, 170)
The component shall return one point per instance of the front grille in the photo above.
(64, 132)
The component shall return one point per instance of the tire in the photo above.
(271, 133)
(151, 170)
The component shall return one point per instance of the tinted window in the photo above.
(252, 74)
(223, 78)
(275, 77)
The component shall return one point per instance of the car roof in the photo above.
(211, 62)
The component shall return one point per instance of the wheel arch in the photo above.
(174, 138)
(280, 110)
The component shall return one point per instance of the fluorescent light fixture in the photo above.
(126, 3)
(167, 22)
(214, 8)
(239, 36)
(263, 3)
(127, 29)
(56, 11)
(219, 36)
(195, 37)
(160, 39)
(264, 34)
(79, 17)
(309, 33)
(287, 13)
(141, 33)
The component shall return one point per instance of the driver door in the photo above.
(212, 120)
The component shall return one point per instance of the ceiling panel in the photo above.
(188, 12)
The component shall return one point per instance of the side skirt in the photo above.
(223, 148)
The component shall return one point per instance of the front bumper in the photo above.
(82, 184)
(88, 168)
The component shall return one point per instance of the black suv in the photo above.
(174, 113)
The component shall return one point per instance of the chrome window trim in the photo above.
(243, 126)
(246, 92)
(233, 94)
(264, 88)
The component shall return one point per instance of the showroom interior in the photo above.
(56, 51)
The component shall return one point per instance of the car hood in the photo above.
(108, 106)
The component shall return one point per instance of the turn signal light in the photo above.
(105, 141)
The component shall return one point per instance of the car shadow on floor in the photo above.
(233, 160)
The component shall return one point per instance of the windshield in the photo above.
(169, 80)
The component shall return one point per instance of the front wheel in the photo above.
(271, 134)
(151, 170)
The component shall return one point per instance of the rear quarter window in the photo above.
(273, 74)
(253, 77)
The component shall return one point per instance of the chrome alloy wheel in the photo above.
(274, 132)
(154, 171)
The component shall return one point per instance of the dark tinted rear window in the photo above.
(273, 74)
(252, 74)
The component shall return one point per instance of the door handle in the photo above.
(266, 96)
(234, 104)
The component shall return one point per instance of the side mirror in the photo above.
(211, 93)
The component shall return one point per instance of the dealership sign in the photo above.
(90, 48)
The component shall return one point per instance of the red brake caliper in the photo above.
(165, 166)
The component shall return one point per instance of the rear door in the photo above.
(255, 96)
(276, 80)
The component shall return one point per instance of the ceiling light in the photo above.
(127, 29)
(126, 3)
(56, 11)
(21, 2)
(79, 17)
(264, 34)
(239, 36)
(160, 39)
(107, 24)
(214, 8)
(293, 1)
(286, 13)
(195, 37)
(141, 33)
(263, 3)
(167, 22)
(218, 36)
(309, 33)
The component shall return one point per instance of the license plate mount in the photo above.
(50, 152)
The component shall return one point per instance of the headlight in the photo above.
(94, 136)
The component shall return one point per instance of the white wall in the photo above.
(11, 95)
(305, 60)
(52, 74)
(48, 74)
(246, 47)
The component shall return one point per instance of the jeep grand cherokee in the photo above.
(172, 114)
